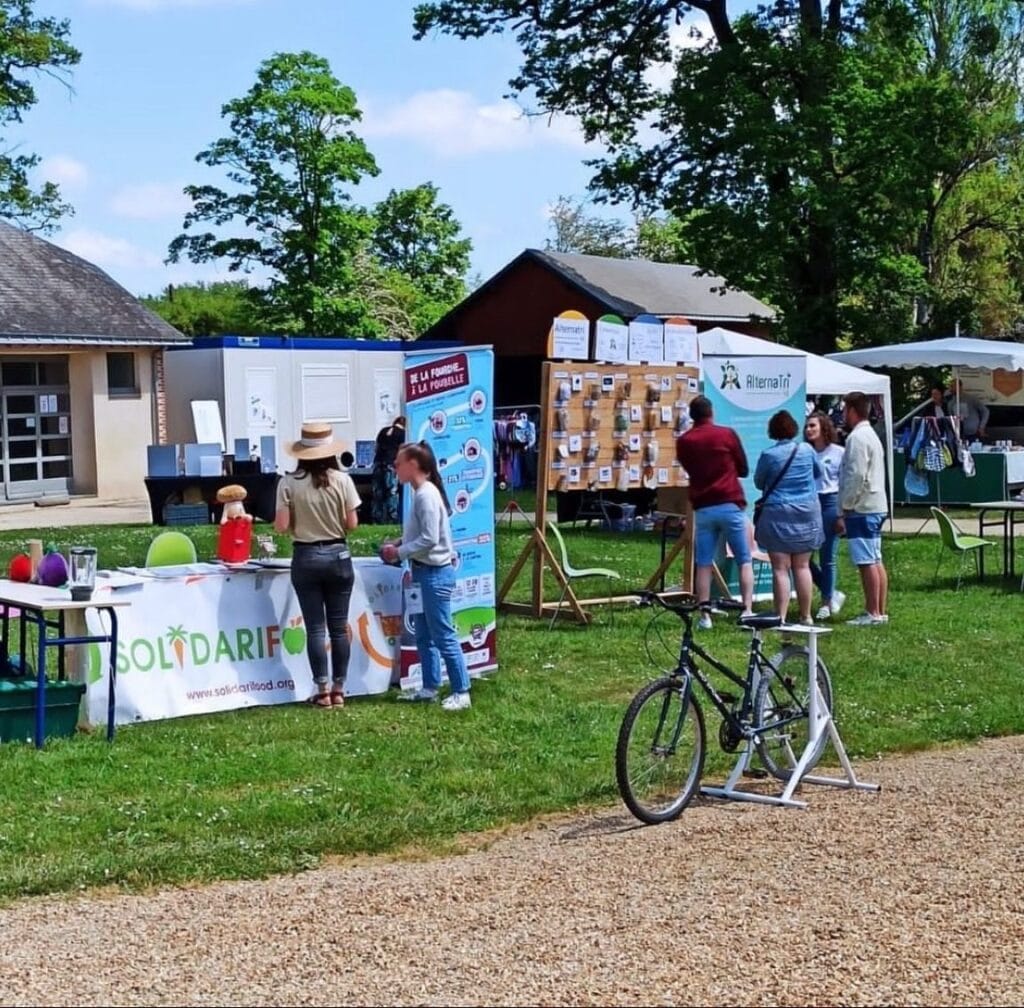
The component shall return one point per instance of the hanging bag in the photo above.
(760, 502)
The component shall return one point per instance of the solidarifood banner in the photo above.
(449, 404)
(203, 642)
(746, 391)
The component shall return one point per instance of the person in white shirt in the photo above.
(863, 507)
(821, 434)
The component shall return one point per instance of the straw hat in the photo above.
(316, 441)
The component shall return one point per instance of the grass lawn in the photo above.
(277, 789)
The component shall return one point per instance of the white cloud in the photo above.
(67, 172)
(107, 251)
(695, 30)
(151, 201)
(453, 124)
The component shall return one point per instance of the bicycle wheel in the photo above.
(660, 752)
(782, 696)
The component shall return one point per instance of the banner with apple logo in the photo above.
(449, 404)
(212, 642)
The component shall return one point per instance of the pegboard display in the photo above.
(614, 426)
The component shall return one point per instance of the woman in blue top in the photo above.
(821, 436)
(790, 525)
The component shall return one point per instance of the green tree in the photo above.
(418, 244)
(209, 309)
(658, 238)
(796, 145)
(974, 213)
(575, 228)
(291, 156)
(28, 44)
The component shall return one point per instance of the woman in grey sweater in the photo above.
(427, 544)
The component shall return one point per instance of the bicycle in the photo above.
(662, 742)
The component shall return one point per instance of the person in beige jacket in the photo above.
(863, 507)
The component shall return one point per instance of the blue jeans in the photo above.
(435, 633)
(718, 520)
(322, 577)
(824, 571)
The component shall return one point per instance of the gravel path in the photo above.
(911, 896)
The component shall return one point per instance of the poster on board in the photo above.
(746, 391)
(449, 404)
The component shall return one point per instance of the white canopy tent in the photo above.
(825, 376)
(953, 351)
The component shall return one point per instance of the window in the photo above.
(121, 380)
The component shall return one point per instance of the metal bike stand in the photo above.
(819, 723)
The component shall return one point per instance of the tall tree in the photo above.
(419, 242)
(28, 44)
(974, 213)
(796, 144)
(291, 156)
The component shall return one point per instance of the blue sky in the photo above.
(154, 74)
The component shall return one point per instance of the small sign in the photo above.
(570, 338)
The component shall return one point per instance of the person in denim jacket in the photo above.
(790, 526)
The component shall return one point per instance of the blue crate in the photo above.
(186, 514)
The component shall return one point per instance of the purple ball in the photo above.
(52, 570)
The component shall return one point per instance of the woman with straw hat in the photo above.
(316, 505)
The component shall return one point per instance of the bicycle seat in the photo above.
(760, 621)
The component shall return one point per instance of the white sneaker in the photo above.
(456, 701)
(866, 619)
(836, 603)
(704, 623)
(823, 613)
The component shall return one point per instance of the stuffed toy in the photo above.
(231, 497)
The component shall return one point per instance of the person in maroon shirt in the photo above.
(715, 462)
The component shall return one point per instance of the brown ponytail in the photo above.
(423, 456)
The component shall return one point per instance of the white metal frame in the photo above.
(820, 723)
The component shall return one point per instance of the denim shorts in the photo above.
(718, 520)
(864, 534)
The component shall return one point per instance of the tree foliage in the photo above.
(577, 228)
(292, 157)
(798, 145)
(29, 45)
(423, 257)
(209, 309)
(332, 266)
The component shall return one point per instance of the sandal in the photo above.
(337, 698)
(321, 700)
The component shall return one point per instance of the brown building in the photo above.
(514, 310)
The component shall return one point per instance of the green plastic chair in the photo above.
(574, 573)
(169, 549)
(958, 542)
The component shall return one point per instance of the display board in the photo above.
(614, 426)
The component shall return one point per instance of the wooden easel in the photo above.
(537, 547)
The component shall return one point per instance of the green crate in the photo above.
(18, 709)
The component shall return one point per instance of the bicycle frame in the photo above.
(689, 670)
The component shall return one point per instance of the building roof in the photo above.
(49, 295)
(631, 287)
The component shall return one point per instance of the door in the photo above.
(35, 411)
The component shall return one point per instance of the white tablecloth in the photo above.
(1015, 467)
(213, 641)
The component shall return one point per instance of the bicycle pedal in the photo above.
(756, 773)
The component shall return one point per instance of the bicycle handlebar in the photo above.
(690, 605)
